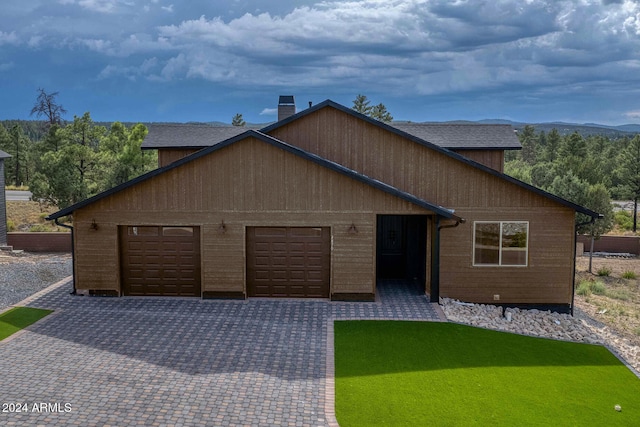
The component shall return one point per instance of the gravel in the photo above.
(22, 274)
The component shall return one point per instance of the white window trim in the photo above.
(500, 249)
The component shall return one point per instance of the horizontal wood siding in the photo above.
(474, 194)
(491, 158)
(281, 190)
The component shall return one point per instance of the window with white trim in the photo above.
(500, 243)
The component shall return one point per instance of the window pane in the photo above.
(514, 256)
(177, 231)
(142, 231)
(514, 234)
(487, 244)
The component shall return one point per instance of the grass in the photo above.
(30, 216)
(604, 271)
(587, 287)
(629, 275)
(17, 318)
(424, 373)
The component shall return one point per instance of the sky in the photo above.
(425, 60)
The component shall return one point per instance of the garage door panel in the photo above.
(160, 263)
(288, 262)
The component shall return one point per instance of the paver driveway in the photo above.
(168, 361)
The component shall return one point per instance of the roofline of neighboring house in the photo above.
(444, 212)
(445, 151)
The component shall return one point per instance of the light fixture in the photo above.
(352, 229)
(93, 225)
(222, 228)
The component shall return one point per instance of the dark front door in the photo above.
(402, 247)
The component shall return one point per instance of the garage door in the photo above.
(288, 262)
(160, 261)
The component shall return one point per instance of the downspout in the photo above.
(435, 257)
(73, 255)
(575, 243)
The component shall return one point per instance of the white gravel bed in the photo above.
(23, 274)
(579, 328)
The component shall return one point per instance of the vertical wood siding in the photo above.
(281, 189)
(490, 158)
(474, 194)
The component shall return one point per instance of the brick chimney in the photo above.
(286, 107)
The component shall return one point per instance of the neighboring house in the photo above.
(324, 203)
(3, 203)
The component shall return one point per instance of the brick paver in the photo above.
(182, 362)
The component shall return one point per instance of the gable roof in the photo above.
(188, 135)
(445, 151)
(4, 155)
(447, 213)
(468, 136)
(464, 136)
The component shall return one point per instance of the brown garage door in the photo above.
(160, 261)
(288, 262)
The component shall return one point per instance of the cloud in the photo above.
(6, 66)
(633, 115)
(8, 38)
(132, 73)
(269, 112)
(167, 8)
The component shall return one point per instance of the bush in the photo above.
(629, 275)
(39, 228)
(598, 288)
(11, 226)
(584, 288)
(604, 271)
(623, 220)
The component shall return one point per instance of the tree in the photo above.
(529, 142)
(361, 105)
(572, 188)
(70, 174)
(238, 120)
(121, 157)
(551, 147)
(598, 200)
(379, 112)
(629, 175)
(46, 105)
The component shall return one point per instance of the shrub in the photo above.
(39, 228)
(604, 271)
(623, 220)
(584, 288)
(11, 226)
(629, 275)
(598, 288)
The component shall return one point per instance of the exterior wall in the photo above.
(212, 189)
(3, 207)
(613, 244)
(490, 158)
(169, 155)
(474, 194)
(40, 242)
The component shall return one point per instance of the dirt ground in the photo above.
(618, 306)
(29, 216)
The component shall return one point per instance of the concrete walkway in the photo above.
(182, 362)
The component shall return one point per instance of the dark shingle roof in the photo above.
(188, 135)
(4, 155)
(451, 136)
(467, 136)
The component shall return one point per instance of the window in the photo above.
(500, 243)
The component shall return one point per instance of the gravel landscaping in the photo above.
(23, 274)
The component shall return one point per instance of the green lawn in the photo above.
(445, 374)
(13, 320)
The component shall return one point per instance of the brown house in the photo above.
(324, 204)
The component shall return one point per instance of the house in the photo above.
(324, 204)
(3, 203)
